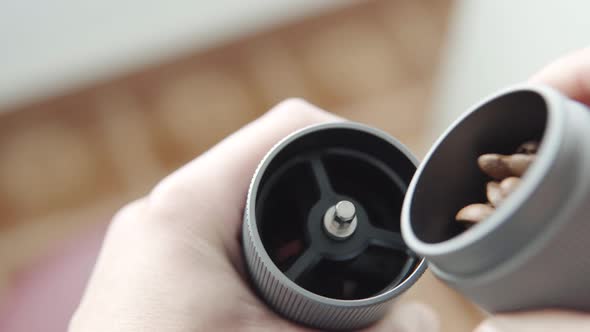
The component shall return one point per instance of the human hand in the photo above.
(571, 76)
(172, 261)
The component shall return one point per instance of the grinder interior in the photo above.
(451, 178)
(305, 180)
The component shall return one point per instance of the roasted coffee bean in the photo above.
(474, 213)
(508, 185)
(530, 147)
(494, 193)
(500, 166)
(497, 192)
(493, 165)
(518, 163)
(506, 169)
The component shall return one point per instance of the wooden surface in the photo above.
(72, 160)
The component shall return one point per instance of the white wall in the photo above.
(494, 43)
(48, 46)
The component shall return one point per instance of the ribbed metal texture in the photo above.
(294, 305)
(289, 299)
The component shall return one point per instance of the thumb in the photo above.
(569, 74)
(539, 321)
(206, 197)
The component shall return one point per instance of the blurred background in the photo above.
(100, 100)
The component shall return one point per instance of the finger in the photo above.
(540, 321)
(408, 317)
(207, 196)
(569, 74)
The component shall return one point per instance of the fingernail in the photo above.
(415, 317)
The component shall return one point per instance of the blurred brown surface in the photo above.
(68, 161)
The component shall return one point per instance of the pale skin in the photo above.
(171, 261)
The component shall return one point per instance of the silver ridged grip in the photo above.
(300, 305)
(288, 298)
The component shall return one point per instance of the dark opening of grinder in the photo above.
(451, 178)
(304, 180)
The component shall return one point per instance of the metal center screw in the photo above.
(345, 212)
(340, 220)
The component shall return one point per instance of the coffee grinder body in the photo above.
(327, 205)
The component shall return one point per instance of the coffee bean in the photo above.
(474, 213)
(506, 169)
(518, 163)
(493, 165)
(494, 193)
(530, 147)
(508, 185)
(500, 166)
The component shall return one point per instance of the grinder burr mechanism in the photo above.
(321, 230)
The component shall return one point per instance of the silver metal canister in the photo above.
(321, 233)
(532, 252)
